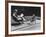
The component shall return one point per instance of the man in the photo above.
(33, 18)
(18, 17)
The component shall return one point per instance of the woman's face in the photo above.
(22, 14)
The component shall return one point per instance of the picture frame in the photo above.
(8, 10)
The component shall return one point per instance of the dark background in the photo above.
(27, 11)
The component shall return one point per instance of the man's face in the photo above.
(16, 10)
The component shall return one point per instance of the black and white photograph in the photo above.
(25, 18)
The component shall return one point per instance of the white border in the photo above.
(21, 4)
